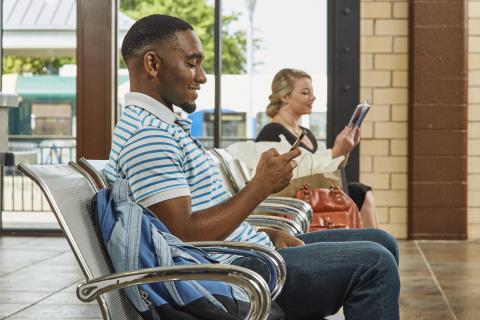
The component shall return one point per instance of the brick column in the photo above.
(438, 120)
(384, 79)
(474, 119)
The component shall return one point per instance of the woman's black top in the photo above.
(272, 131)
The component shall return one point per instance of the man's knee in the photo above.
(386, 240)
(383, 262)
(391, 244)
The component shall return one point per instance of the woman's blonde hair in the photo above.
(282, 85)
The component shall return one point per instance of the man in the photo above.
(169, 172)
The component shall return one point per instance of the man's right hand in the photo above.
(274, 171)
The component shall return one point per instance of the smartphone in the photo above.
(297, 142)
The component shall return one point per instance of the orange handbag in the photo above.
(332, 208)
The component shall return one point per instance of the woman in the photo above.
(292, 96)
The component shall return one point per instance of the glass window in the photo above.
(273, 35)
(200, 14)
(39, 65)
(255, 45)
(51, 119)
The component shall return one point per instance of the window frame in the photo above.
(343, 73)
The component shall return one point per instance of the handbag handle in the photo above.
(306, 188)
(311, 164)
(307, 192)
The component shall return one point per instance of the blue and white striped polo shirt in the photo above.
(160, 159)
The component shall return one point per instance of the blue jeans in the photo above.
(353, 268)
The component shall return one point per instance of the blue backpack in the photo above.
(135, 238)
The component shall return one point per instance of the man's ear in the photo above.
(151, 63)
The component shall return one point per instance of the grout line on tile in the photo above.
(25, 240)
(437, 283)
(38, 301)
(34, 262)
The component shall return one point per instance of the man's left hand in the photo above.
(281, 239)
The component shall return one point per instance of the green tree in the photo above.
(201, 16)
(34, 65)
(197, 12)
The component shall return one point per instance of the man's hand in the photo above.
(281, 239)
(345, 141)
(274, 171)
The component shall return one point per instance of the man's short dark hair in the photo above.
(150, 30)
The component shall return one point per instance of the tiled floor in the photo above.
(440, 280)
